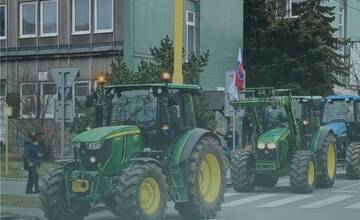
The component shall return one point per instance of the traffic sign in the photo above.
(64, 76)
(66, 111)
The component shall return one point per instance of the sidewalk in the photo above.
(14, 187)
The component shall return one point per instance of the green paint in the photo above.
(103, 133)
(274, 136)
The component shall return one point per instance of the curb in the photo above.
(12, 179)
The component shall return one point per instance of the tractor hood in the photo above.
(104, 133)
(274, 135)
(338, 128)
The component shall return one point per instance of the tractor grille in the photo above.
(101, 155)
(267, 155)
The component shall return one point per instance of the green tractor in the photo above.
(150, 152)
(282, 144)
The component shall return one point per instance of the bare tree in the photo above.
(355, 66)
(33, 104)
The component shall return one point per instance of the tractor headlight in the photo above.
(261, 145)
(92, 159)
(93, 145)
(271, 146)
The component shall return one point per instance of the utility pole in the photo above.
(178, 41)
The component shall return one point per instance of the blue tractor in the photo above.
(342, 116)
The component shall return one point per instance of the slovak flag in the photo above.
(238, 84)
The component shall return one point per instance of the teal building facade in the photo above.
(211, 25)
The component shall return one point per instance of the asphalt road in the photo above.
(342, 202)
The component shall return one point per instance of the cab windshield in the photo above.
(338, 111)
(133, 107)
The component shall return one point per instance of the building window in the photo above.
(2, 22)
(104, 16)
(341, 20)
(28, 25)
(80, 92)
(48, 99)
(2, 88)
(81, 16)
(288, 8)
(49, 18)
(190, 34)
(28, 100)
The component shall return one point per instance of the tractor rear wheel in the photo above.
(264, 180)
(243, 171)
(353, 161)
(54, 202)
(205, 180)
(140, 193)
(326, 161)
(303, 172)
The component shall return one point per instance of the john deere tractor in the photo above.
(282, 144)
(342, 116)
(150, 152)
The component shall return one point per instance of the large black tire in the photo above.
(127, 188)
(266, 181)
(326, 158)
(243, 171)
(303, 172)
(353, 161)
(53, 199)
(197, 207)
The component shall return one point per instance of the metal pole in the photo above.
(234, 131)
(62, 125)
(178, 40)
(6, 143)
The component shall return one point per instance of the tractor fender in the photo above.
(185, 145)
(319, 138)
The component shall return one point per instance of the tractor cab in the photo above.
(342, 115)
(161, 112)
(307, 111)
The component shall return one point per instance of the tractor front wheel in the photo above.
(353, 161)
(326, 158)
(243, 171)
(205, 180)
(267, 181)
(54, 202)
(303, 172)
(140, 193)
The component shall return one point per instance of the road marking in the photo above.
(247, 200)
(325, 202)
(285, 201)
(227, 195)
(354, 206)
(345, 189)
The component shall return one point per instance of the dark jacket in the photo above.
(31, 156)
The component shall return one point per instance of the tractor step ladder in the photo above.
(178, 185)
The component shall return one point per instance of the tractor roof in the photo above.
(157, 85)
(342, 98)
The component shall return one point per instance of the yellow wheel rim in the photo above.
(331, 160)
(311, 173)
(149, 195)
(209, 178)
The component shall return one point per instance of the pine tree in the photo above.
(299, 53)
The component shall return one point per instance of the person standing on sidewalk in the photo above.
(32, 164)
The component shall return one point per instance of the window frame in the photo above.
(5, 32)
(73, 93)
(187, 25)
(341, 21)
(73, 11)
(42, 34)
(288, 10)
(21, 20)
(99, 31)
(45, 114)
(22, 103)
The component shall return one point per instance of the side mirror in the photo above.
(174, 112)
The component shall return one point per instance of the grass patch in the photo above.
(16, 169)
(19, 201)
